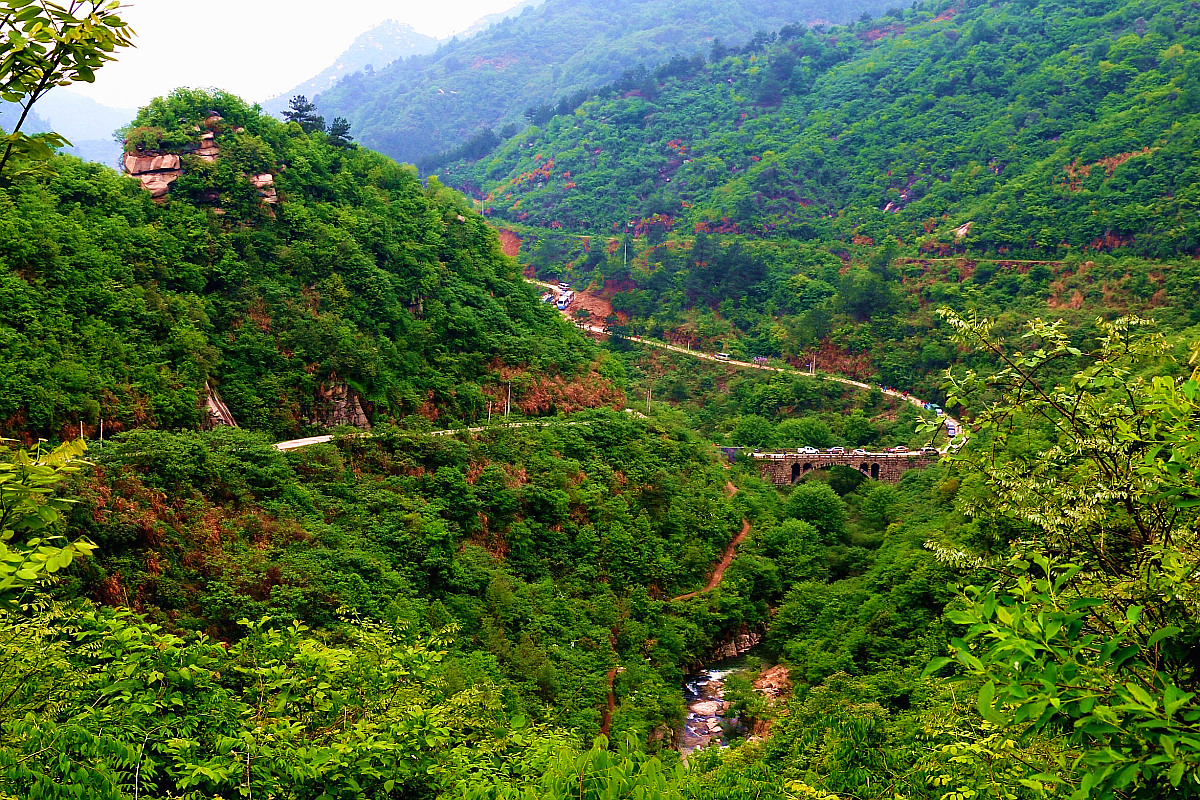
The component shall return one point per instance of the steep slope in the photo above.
(307, 284)
(426, 105)
(1011, 127)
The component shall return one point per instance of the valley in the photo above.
(778, 400)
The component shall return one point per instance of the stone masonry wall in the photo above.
(887, 467)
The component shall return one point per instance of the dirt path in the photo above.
(610, 706)
(719, 572)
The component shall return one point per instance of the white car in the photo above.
(808, 451)
(860, 452)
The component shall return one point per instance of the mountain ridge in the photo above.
(432, 103)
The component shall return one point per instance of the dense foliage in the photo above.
(1048, 128)
(120, 310)
(816, 194)
(525, 67)
(509, 612)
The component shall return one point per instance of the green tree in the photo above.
(29, 550)
(1087, 631)
(50, 44)
(804, 432)
(753, 431)
(879, 505)
(339, 132)
(304, 113)
(817, 503)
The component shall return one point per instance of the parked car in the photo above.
(835, 450)
(900, 448)
(860, 452)
(808, 451)
(721, 356)
(927, 450)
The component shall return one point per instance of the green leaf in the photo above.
(935, 665)
(987, 695)
(1162, 633)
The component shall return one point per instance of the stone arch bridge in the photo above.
(786, 468)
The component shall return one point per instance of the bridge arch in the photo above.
(788, 468)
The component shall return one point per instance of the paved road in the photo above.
(961, 432)
(294, 444)
(961, 437)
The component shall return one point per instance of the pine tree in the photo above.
(339, 132)
(305, 113)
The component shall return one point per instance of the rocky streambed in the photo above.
(708, 721)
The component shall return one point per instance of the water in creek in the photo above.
(706, 723)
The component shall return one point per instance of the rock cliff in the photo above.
(157, 169)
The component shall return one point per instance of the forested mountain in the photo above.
(1042, 127)
(819, 192)
(512, 611)
(374, 49)
(423, 106)
(358, 289)
(524, 576)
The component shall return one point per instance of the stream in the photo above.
(706, 723)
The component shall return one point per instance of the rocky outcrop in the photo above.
(736, 645)
(774, 683)
(337, 404)
(213, 412)
(155, 170)
(208, 147)
(265, 184)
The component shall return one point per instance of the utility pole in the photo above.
(489, 412)
(649, 392)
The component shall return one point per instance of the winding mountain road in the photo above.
(960, 432)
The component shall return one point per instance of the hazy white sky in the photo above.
(255, 48)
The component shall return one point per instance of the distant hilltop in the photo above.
(375, 49)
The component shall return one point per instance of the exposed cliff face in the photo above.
(337, 404)
(736, 645)
(157, 169)
(214, 413)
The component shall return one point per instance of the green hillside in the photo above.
(360, 283)
(541, 58)
(1049, 128)
(820, 192)
(509, 611)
